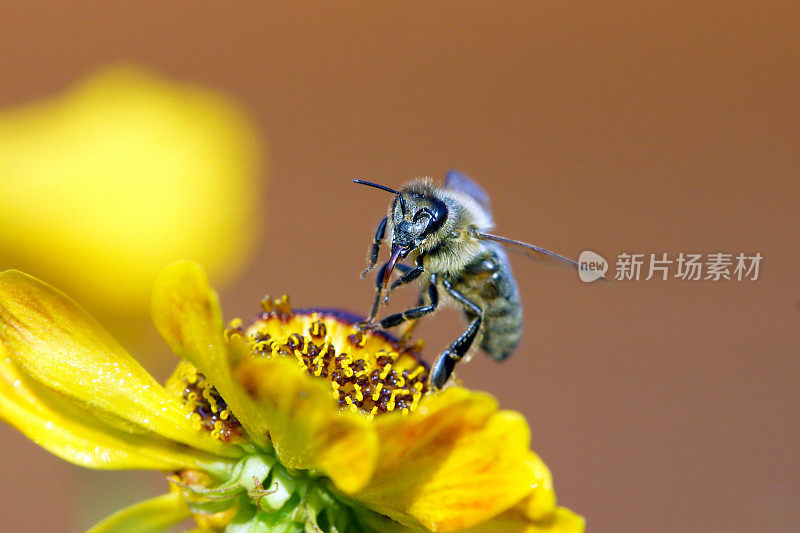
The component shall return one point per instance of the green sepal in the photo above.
(276, 491)
(244, 477)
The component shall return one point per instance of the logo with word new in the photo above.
(591, 266)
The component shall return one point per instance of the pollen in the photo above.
(207, 410)
(369, 371)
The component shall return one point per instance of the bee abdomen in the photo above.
(502, 326)
(491, 285)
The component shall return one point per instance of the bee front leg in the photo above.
(408, 327)
(418, 312)
(444, 365)
(379, 287)
(376, 246)
(408, 277)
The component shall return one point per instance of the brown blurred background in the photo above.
(616, 127)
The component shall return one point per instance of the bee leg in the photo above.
(376, 246)
(407, 328)
(418, 312)
(379, 287)
(406, 278)
(444, 365)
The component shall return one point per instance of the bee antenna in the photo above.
(377, 186)
(384, 188)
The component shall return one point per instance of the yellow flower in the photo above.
(296, 422)
(105, 184)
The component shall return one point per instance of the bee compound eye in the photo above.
(422, 214)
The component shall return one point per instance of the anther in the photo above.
(283, 306)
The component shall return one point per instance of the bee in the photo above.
(443, 230)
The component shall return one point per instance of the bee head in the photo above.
(416, 217)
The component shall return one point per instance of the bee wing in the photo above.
(540, 255)
(459, 182)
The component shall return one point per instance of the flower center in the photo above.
(368, 371)
(209, 409)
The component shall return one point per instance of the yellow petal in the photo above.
(541, 502)
(307, 429)
(116, 175)
(65, 428)
(53, 341)
(186, 312)
(156, 514)
(454, 462)
(562, 520)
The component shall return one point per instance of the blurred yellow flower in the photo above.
(296, 422)
(104, 185)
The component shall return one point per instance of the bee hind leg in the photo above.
(444, 365)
